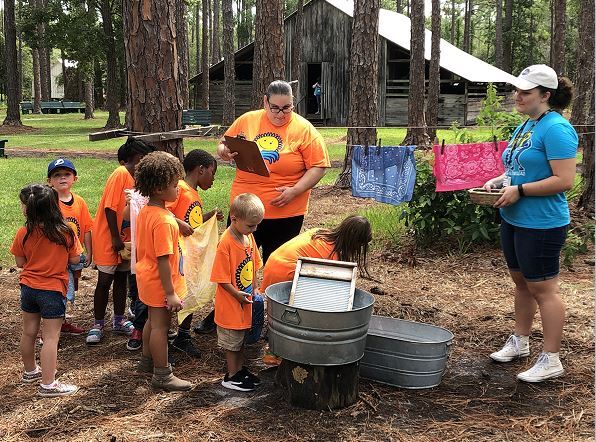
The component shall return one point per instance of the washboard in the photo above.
(323, 285)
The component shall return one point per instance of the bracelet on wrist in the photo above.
(520, 189)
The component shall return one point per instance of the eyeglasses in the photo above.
(276, 109)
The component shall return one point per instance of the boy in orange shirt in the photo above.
(158, 267)
(61, 176)
(234, 270)
(107, 242)
(200, 168)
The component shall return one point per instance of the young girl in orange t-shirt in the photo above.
(43, 248)
(346, 242)
(159, 264)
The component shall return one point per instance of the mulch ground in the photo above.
(470, 294)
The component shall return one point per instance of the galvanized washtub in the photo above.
(317, 338)
(404, 353)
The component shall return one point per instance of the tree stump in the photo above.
(317, 387)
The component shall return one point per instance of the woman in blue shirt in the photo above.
(540, 163)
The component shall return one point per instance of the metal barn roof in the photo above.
(396, 28)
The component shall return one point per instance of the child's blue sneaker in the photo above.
(123, 327)
(94, 336)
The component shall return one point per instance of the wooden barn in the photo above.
(325, 58)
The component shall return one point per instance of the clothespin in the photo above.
(496, 144)
(443, 146)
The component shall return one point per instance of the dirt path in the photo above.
(477, 400)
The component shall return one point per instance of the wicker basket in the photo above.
(480, 196)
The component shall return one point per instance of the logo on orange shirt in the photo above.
(194, 215)
(74, 225)
(270, 144)
(244, 273)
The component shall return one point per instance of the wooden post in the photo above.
(319, 388)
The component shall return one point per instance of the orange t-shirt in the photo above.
(282, 262)
(112, 198)
(77, 216)
(236, 265)
(188, 207)
(47, 262)
(289, 151)
(157, 235)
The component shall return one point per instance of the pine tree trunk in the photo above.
(205, 56)
(154, 101)
(434, 80)
(269, 48)
(453, 23)
(216, 55)
(111, 65)
(198, 38)
(42, 53)
(36, 82)
(499, 34)
(416, 134)
(363, 107)
(182, 46)
(468, 26)
(13, 113)
(508, 37)
(583, 105)
(297, 48)
(399, 6)
(586, 199)
(229, 109)
(89, 102)
(98, 89)
(558, 62)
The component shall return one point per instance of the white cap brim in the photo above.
(523, 85)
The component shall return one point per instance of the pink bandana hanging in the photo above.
(464, 166)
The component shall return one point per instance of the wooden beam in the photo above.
(175, 134)
(108, 134)
(152, 137)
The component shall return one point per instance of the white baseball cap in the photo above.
(536, 75)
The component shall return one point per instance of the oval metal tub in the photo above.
(405, 354)
(317, 338)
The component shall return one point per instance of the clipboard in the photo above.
(249, 158)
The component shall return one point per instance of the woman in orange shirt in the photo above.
(43, 248)
(346, 242)
(296, 156)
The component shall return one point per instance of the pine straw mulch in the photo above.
(469, 294)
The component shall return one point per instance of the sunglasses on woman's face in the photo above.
(276, 109)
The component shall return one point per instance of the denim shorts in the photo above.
(48, 303)
(533, 252)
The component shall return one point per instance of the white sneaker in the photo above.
(515, 347)
(547, 366)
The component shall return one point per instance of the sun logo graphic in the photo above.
(244, 274)
(270, 144)
(194, 215)
(74, 225)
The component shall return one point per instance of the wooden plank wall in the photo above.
(243, 90)
(326, 37)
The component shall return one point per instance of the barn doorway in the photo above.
(313, 76)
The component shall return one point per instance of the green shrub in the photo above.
(431, 215)
(578, 240)
(501, 123)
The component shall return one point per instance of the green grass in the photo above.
(70, 132)
(93, 173)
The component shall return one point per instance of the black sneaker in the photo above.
(135, 342)
(186, 346)
(238, 382)
(251, 377)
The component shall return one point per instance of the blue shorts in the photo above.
(48, 303)
(533, 252)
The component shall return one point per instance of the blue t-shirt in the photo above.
(526, 160)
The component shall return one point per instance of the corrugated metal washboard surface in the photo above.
(323, 285)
